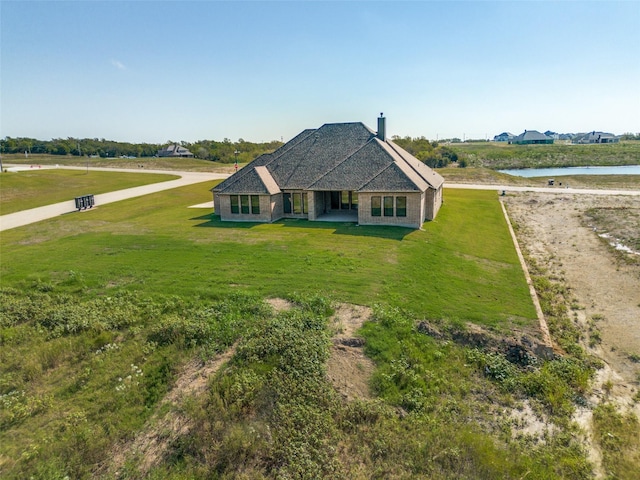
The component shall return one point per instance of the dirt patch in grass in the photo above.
(348, 369)
(279, 304)
(520, 348)
(149, 446)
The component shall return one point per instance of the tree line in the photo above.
(432, 153)
(225, 151)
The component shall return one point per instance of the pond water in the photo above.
(560, 171)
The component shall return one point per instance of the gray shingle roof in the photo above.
(530, 135)
(336, 156)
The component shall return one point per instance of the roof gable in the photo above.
(393, 178)
(257, 181)
(428, 174)
(336, 156)
(315, 154)
(529, 135)
(356, 170)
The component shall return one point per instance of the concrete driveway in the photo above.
(26, 217)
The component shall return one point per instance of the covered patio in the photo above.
(339, 216)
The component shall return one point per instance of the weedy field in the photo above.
(102, 311)
(498, 155)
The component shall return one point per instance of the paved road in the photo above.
(25, 217)
(33, 215)
(508, 188)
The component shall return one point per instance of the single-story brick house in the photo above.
(531, 137)
(504, 137)
(596, 137)
(340, 171)
(175, 150)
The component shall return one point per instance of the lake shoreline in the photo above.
(566, 171)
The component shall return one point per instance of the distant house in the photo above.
(504, 137)
(531, 137)
(338, 172)
(595, 137)
(174, 150)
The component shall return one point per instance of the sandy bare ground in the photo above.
(348, 369)
(555, 231)
(556, 235)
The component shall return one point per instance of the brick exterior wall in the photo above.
(420, 207)
(415, 202)
(317, 202)
(222, 205)
(433, 202)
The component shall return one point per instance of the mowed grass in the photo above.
(38, 187)
(462, 266)
(149, 163)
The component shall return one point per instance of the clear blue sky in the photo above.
(152, 71)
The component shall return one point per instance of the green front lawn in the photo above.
(39, 187)
(461, 266)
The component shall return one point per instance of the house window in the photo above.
(305, 208)
(234, 204)
(354, 201)
(286, 199)
(255, 204)
(244, 203)
(401, 206)
(388, 206)
(344, 200)
(297, 203)
(376, 206)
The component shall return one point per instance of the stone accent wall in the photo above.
(415, 202)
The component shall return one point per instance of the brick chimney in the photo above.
(382, 128)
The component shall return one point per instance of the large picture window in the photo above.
(255, 204)
(305, 208)
(244, 204)
(235, 208)
(401, 206)
(344, 200)
(297, 203)
(388, 206)
(376, 206)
